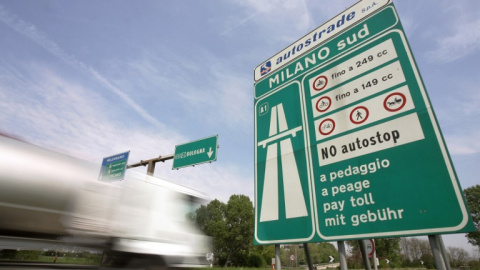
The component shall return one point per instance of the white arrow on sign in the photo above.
(387, 261)
(210, 152)
(331, 258)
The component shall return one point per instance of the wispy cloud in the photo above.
(464, 144)
(36, 35)
(69, 116)
(460, 37)
(458, 112)
(463, 42)
(65, 116)
(178, 81)
(273, 14)
(239, 23)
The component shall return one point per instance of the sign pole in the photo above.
(437, 253)
(363, 249)
(444, 252)
(296, 257)
(278, 254)
(342, 254)
(307, 255)
(375, 265)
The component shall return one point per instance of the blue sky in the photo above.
(92, 79)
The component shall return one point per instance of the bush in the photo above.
(8, 254)
(474, 265)
(27, 255)
(255, 260)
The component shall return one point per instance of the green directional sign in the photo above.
(347, 145)
(196, 152)
(114, 167)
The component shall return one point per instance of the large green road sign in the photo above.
(196, 152)
(346, 142)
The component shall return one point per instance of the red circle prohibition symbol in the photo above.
(320, 83)
(394, 102)
(360, 118)
(325, 102)
(330, 126)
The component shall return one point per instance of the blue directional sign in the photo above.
(114, 167)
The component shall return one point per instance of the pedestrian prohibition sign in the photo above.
(346, 141)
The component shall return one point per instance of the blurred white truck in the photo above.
(47, 198)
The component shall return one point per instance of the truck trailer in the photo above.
(51, 199)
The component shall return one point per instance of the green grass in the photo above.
(70, 260)
(60, 260)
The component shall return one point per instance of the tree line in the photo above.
(231, 227)
(411, 252)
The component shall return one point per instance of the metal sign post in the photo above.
(150, 163)
(363, 249)
(342, 254)
(437, 253)
(278, 256)
(307, 256)
(446, 258)
(375, 260)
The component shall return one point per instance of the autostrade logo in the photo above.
(326, 31)
(265, 68)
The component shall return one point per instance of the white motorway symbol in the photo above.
(295, 205)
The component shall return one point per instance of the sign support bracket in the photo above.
(150, 163)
